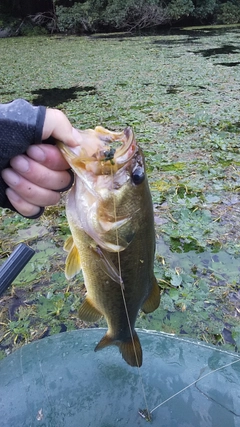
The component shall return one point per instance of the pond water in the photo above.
(180, 92)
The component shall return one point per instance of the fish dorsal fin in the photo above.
(73, 263)
(153, 300)
(88, 312)
(129, 349)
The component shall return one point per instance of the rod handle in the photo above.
(10, 269)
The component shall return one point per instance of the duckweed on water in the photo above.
(180, 93)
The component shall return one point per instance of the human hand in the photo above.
(35, 178)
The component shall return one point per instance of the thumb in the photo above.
(58, 126)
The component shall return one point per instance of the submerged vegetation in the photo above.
(180, 94)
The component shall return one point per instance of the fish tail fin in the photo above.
(153, 300)
(131, 350)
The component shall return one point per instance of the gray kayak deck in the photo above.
(60, 381)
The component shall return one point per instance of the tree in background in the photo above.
(127, 15)
(228, 13)
(179, 9)
(77, 16)
(204, 8)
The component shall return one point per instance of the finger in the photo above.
(48, 155)
(40, 175)
(23, 207)
(56, 124)
(29, 191)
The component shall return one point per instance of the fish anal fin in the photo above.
(88, 312)
(131, 350)
(153, 300)
(73, 263)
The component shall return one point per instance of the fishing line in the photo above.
(194, 382)
(144, 413)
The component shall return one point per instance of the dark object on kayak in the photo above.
(10, 269)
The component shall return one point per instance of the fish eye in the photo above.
(138, 175)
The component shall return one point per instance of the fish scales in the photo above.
(110, 214)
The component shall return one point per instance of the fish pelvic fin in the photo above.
(88, 312)
(68, 244)
(153, 300)
(131, 350)
(73, 262)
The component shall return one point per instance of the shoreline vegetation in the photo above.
(93, 16)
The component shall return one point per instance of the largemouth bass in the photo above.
(110, 214)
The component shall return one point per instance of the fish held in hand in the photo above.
(110, 214)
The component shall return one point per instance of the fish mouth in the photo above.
(106, 159)
(121, 154)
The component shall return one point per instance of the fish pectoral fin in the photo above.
(108, 225)
(106, 264)
(88, 312)
(131, 350)
(153, 300)
(73, 263)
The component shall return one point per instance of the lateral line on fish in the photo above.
(125, 306)
(193, 383)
